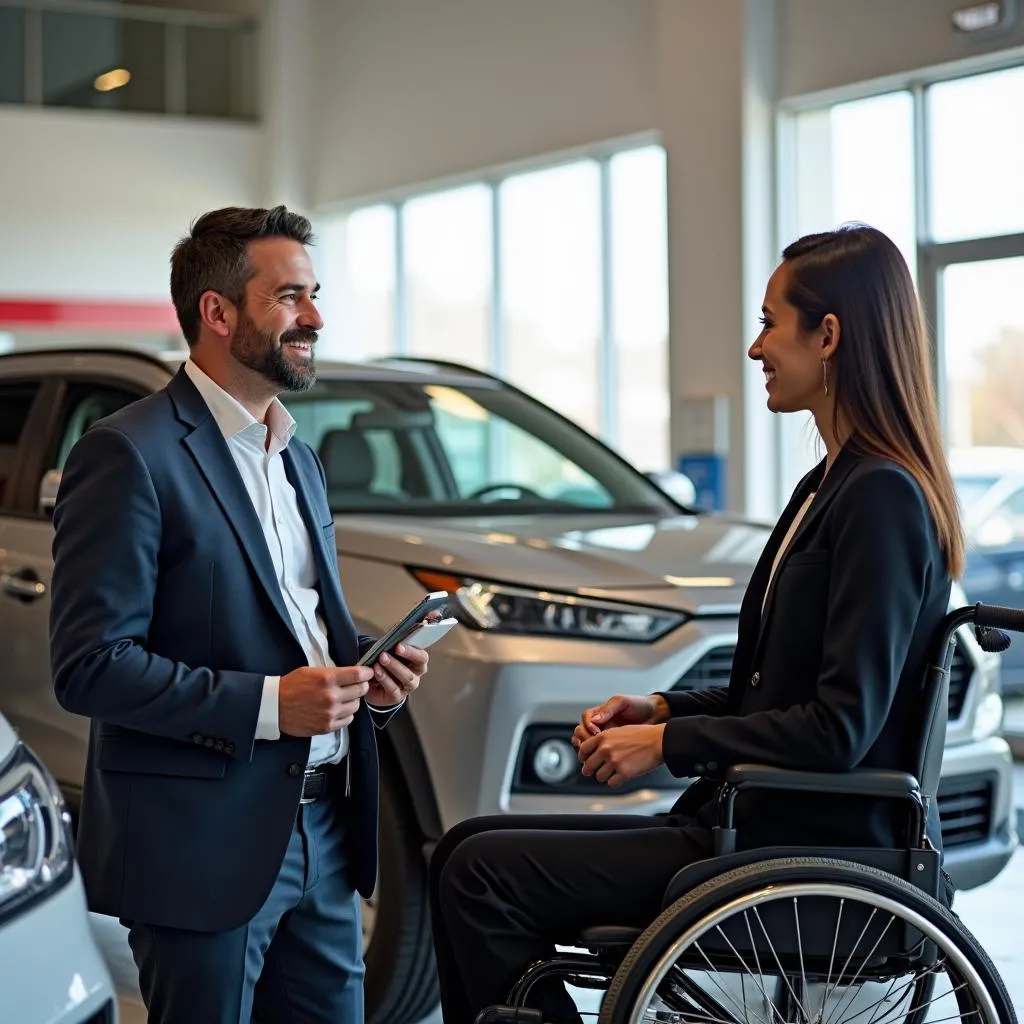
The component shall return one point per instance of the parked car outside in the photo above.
(990, 484)
(51, 971)
(574, 577)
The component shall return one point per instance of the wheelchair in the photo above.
(798, 935)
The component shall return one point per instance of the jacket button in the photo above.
(294, 769)
(197, 737)
(712, 766)
(755, 679)
(229, 748)
(699, 769)
(208, 742)
(219, 745)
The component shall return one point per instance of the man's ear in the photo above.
(831, 334)
(217, 313)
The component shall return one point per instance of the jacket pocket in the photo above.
(143, 759)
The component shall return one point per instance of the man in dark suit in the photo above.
(229, 815)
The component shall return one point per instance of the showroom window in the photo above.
(144, 59)
(938, 167)
(560, 267)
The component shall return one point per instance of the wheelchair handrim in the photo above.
(836, 890)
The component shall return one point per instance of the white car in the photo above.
(50, 969)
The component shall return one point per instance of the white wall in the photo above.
(415, 90)
(91, 204)
(828, 44)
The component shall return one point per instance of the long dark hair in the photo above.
(882, 369)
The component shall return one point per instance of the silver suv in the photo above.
(576, 578)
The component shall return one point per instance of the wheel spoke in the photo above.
(860, 970)
(728, 995)
(800, 953)
(778, 963)
(760, 985)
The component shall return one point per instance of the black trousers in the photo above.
(505, 889)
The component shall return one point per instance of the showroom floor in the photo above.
(982, 910)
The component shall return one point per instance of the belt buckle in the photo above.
(307, 774)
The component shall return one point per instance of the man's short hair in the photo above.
(214, 256)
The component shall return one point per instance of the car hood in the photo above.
(685, 562)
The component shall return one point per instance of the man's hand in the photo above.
(617, 711)
(394, 678)
(314, 701)
(621, 754)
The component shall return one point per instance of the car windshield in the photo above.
(415, 447)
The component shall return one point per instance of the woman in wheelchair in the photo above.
(836, 633)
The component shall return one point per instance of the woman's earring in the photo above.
(824, 374)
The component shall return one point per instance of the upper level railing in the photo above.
(106, 55)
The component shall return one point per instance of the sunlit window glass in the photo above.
(368, 303)
(855, 162)
(640, 305)
(551, 286)
(976, 155)
(448, 274)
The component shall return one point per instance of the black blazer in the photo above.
(828, 676)
(166, 616)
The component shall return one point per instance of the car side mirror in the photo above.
(678, 486)
(48, 488)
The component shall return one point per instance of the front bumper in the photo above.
(977, 811)
(52, 971)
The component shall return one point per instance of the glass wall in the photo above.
(554, 278)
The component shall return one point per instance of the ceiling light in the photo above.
(111, 80)
(978, 16)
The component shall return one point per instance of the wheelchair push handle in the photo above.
(996, 617)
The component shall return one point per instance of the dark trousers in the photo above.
(298, 961)
(505, 889)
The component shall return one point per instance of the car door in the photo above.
(63, 410)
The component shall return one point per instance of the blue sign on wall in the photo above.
(708, 475)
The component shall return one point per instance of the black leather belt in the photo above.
(319, 782)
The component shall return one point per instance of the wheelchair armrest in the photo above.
(855, 782)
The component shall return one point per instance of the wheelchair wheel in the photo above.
(806, 940)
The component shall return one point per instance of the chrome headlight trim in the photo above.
(36, 855)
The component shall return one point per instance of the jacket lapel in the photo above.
(827, 489)
(210, 451)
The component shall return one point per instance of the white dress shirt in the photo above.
(273, 497)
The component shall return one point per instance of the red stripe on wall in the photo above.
(87, 315)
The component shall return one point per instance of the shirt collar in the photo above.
(232, 418)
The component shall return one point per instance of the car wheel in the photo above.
(401, 980)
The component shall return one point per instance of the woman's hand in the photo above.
(618, 711)
(618, 755)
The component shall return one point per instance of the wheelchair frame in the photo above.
(919, 864)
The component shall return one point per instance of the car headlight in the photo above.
(988, 718)
(504, 609)
(35, 848)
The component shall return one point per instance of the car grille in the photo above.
(965, 809)
(959, 678)
(714, 667)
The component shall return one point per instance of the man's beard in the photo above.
(266, 355)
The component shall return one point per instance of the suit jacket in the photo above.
(166, 616)
(828, 676)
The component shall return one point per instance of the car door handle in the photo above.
(24, 585)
